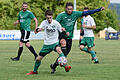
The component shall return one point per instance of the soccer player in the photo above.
(67, 20)
(51, 42)
(88, 37)
(24, 19)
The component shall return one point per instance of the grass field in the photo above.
(108, 52)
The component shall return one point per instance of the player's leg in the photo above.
(36, 66)
(59, 51)
(93, 55)
(83, 44)
(92, 52)
(64, 50)
(19, 52)
(20, 46)
(81, 35)
(44, 51)
(27, 43)
(31, 49)
(68, 46)
(63, 46)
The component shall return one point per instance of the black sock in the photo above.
(20, 52)
(32, 50)
(64, 50)
(56, 63)
(79, 41)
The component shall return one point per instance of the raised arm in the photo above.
(92, 11)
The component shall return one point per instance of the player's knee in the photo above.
(27, 44)
(89, 49)
(58, 49)
(39, 58)
(81, 47)
(20, 44)
(63, 42)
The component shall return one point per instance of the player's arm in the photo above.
(16, 22)
(89, 27)
(36, 24)
(92, 11)
(40, 27)
(64, 31)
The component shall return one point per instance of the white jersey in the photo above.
(51, 31)
(89, 21)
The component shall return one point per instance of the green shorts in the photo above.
(89, 41)
(48, 48)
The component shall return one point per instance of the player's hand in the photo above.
(67, 33)
(84, 26)
(102, 8)
(36, 30)
(16, 22)
(63, 29)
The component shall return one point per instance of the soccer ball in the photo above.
(62, 61)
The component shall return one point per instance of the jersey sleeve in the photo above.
(79, 13)
(32, 15)
(90, 12)
(42, 25)
(92, 22)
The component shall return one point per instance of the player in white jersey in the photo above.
(88, 37)
(51, 42)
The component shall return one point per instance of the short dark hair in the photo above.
(48, 12)
(69, 4)
(86, 8)
(24, 3)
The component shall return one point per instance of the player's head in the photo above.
(24, 6)
(49, 15)
(69, 7)
(85, 9)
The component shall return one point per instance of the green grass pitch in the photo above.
(108, 52)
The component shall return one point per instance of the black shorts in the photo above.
(68, 43)
(24, 36)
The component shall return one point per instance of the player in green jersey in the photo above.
(24, 19)
(67, 19)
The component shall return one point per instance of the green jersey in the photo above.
(25, 19)
(68, 21)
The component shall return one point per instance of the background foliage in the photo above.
(9, 10)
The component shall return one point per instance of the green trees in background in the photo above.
(9, 11)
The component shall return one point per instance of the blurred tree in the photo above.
(9, 12)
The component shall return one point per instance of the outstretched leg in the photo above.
(36, 66)
(31, 49)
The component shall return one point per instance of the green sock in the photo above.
(37, 64)
(64, 65)
(93, 55)
(85, 49)
(61, 55)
